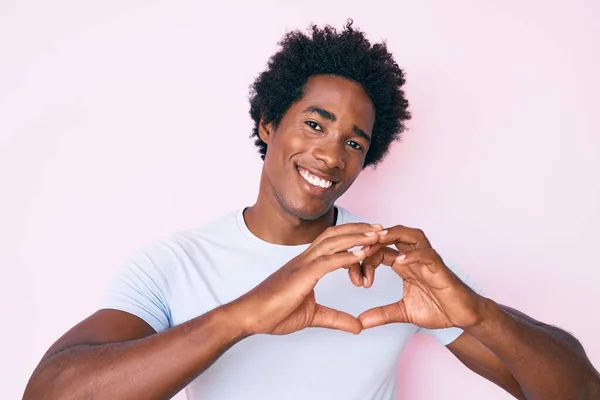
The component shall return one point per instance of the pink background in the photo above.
(122, 122)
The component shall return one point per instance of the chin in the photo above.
(306, 212)
(310, 215)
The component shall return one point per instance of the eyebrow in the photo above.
(332, 117)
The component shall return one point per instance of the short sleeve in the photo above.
(448, 335)
(140, 287)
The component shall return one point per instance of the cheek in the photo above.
(350, 181)
(280, 152)
(282, 139)
(354, 164)
(291, 143)
(353, 171)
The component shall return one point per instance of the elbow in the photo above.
(593, 387)
(48, 384)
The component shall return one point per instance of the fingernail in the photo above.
(365, 281)
(384, 232)
(378, 226)
(366, 248)
(370, 233)
(401, 257)
(358, 253)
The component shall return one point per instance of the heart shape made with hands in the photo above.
(434, 297)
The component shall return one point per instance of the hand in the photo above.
(285, 301)
(434, 297)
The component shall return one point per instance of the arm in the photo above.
(113, 354)
(529, 359)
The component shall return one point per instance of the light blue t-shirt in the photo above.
(193, 272)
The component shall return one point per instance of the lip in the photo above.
(312, 189)
(320, 174)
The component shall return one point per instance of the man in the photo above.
(225, 310)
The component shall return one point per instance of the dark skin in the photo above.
(325, 132)
(113, 354)
(527, 358)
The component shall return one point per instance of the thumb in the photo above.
(395, 312)
(326, 317)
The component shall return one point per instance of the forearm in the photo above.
(155, 367)
(546, 365)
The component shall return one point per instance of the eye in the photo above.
(314, 125)
(354, 145)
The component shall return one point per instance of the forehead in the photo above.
(342, 97)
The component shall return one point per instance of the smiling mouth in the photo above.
(314, 180)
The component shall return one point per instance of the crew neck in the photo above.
(256, 240)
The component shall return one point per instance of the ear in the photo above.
(265, 131)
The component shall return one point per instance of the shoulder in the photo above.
(170, 252)
(220, 229)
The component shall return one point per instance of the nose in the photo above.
(331, 153)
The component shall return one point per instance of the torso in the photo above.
(219, 265)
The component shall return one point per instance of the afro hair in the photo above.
(325, 51)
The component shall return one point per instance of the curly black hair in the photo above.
(347, 54)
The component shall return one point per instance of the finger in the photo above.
(405, 235)
(335, 244)
(355, 271)
(424, 257)
(368, 275)
(395, 312)
(367, 271)
(355, 274)
(385, 256)
(404, 247)
(330, 262)
(326, 317)
(345, 229)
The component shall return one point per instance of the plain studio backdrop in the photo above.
(122, 122)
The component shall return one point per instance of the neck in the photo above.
(269, 221)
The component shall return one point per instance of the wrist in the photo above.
(233, 321)
(491, 317)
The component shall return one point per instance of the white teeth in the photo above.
(315, 180)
